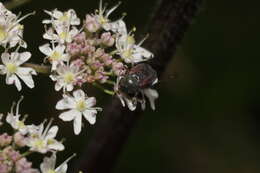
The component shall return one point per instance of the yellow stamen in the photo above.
(3, 34)
(127, 53)
(130, 40)
(63, 35)
(81, 105)
(55, 56)
(51, 171)
(69, 77)
(39, 143)
(50, 141)
(103, 20)
(20, 124)
(11, 68)
(64, 18)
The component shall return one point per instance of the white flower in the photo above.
(62, 30)
(62, 34)
(91, 23)
(14, 119)
(66, 77)
(103, 14)
(67, 18)
(131, 52)
(13, 70)
(48, 165)
(55, 55)
(118, 27)
(11, 32)
(79, 105)
(43, 140)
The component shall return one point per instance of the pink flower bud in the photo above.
(87, 49)
(80, 38)
(78, 63)
(5, 167)
(73, 48)
(107, 39)
(90, 79)
(91, 24)
(11, 154)
(101, 77)
(5, 139)
(19, 139)
(107, 59)
(23, 166)
(99, 52)
(118, 68)
(96, 65)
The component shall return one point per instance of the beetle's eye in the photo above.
(130, 81)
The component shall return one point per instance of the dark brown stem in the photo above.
(167, 29)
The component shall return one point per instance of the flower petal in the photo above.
(66, 103)
(90, 102)
(5, 58)
(90, 115)
(13, 79)
(52, 132)
(45, 49)
(55, 145)
(69, 115)
(2, 69)
(25, 75)
(79, 94)
(48, 163)
(62, 168)
(77, 124)
(23, 57)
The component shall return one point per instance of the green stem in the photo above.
(113, 52)
(103, 89)
(39, 68)
(110, 82)
(109, 73)
(27, 153)
(15, 3)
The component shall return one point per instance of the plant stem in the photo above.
(15, 3)
(110, 82)
(39, 68)
(97, 85)
(27, 153)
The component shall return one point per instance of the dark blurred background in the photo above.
(207, 115)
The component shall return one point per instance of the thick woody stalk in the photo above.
(167, 28)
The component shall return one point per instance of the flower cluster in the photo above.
(96, 51)
(100, 52)
(25, 140)
(11, 34)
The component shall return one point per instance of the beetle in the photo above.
(138, 78)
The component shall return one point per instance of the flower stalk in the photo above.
(109, 92)
(15, 3)
(44, 69)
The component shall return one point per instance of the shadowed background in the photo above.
(208, 112)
